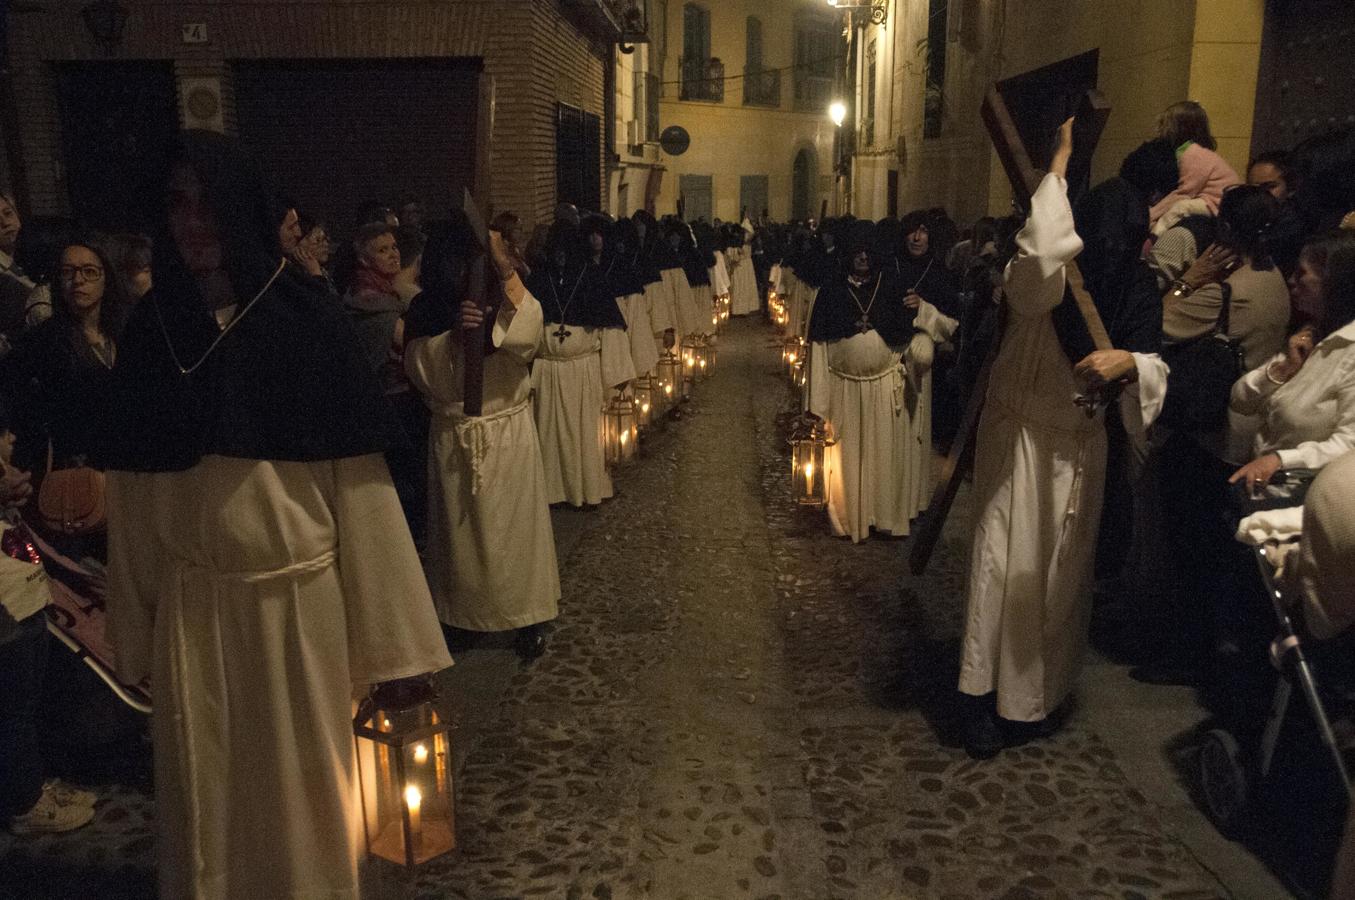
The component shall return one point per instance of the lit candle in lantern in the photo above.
(625, 437)
(420, 754)
(414, 802)
(809, 478)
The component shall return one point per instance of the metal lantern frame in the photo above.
(671, 378)
(792, 353)
(809, 443)
(648, 400)
(619, 429)
(407, 810)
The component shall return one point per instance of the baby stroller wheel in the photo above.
(1223, 779)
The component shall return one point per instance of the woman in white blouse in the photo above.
(1305, 396)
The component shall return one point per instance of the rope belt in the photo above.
(895, 372)
(477, 435)
(320, 563)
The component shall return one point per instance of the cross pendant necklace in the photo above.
(562, 332)
(863, 324)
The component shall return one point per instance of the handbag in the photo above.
(1286, 488)
(71, 501)
(1203, 371)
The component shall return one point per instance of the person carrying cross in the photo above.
(1039, 473)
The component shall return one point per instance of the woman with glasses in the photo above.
(58, 378)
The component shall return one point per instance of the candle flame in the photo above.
(625, 436)
(809, 471)
(420, 754)
(413, 796)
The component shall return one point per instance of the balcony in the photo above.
(703, 79)
(813, 93)
(613, 20)
(762, 88)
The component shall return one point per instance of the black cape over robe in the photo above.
(836, 313)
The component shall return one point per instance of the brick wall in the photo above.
(536, 54)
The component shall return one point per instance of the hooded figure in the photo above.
(1040, 463)
(245, 483)
(629, 280)
(491, 548)
(582, 354)
(661, 258)
(743, 282)
(860, 330)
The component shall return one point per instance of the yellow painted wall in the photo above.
(730, 140)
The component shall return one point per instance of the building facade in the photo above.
(920, 76)
(750, 82)
(344, 101)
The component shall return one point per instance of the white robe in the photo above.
(858, 385)
(571, 381)
(667, 300)
(256, 595)
(1039, 477)
(492, 564)
(743, 286)
(695, 301)
(934, 327)
(719, 275)
(644, 354)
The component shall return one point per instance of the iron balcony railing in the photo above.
(761, 88)
(703, 79)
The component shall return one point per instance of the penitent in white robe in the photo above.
(1039, 476)
(858, 385)
(644, 354)
(663, 314)
(256, 595)
(719, 275)
(492, 564)
(571, 381)
(743, 286)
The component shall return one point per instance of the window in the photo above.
(703, 78)
(816, 58)
(646, 86)
(760, 87)
(869, 110)
(578, 157)
(933, 99)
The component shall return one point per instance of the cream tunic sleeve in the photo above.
(1046, 243)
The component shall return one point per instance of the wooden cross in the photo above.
(562, 332)
(1090, 121)
(863, 324)
(480, 289)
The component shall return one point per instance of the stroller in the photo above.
(1230, 777)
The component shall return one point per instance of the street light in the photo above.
(837, 111)
(874, 10)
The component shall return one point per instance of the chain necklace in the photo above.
(562, 332)
(863, 324)
(224, 331)
(922, 277)
(103, 352)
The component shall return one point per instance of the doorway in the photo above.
(695, 191)
(119, 122)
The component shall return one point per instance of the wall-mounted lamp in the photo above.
(837, 111)
(105, 20)
(877, 10)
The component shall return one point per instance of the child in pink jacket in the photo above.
(1204, 174)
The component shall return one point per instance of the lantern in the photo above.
(809, 445)
(404, 768)
(791, 353)
(648, 400)
(619, 430)
(670, 378)
(688, 368)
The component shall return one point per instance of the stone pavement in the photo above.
(735, 704)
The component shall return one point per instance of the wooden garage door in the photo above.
(336, 134)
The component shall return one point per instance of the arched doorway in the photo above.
(805, 174)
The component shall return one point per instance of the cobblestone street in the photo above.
(736, 704)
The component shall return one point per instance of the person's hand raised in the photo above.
(472, 315)
(1300, 347)
(1063, 149)
(1215, 264)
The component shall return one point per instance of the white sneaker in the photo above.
(70, 795)
(51, 816)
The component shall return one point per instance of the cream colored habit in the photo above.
(492, 550)
(1038, 481)
(257, 595)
